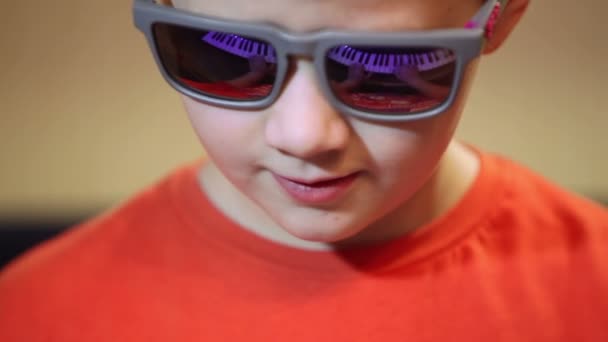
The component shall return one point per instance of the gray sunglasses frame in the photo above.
(466, 43)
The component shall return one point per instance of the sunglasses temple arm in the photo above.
(487, 16)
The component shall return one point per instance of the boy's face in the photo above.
(278, 156)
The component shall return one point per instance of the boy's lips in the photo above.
(316, 191)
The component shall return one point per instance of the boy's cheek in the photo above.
(215, 124)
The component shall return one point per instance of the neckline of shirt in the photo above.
(205, 221)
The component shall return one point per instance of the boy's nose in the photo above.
(302, 123)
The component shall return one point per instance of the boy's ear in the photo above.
(509, 18)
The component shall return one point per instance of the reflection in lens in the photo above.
(397, 80)
(218, 64)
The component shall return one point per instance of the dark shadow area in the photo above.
(17, 236)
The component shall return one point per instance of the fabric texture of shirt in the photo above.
(517, 259)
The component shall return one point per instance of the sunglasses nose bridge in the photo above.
(294, 47)
(298, 45)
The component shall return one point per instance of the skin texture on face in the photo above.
(310, 15)
(407, 173)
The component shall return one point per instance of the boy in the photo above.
(335, 204)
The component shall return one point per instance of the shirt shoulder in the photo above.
(87, 265)
(528, 193)
(535, 216)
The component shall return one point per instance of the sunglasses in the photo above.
(386, 76)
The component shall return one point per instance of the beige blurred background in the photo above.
(87, 119)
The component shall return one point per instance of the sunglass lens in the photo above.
(391, 80)
(218, 64)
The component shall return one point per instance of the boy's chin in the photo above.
(326, 230)
(318, 235)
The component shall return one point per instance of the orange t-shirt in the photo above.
(517, 259)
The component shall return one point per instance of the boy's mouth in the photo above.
(316, 191)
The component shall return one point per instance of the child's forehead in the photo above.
(309, 15)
